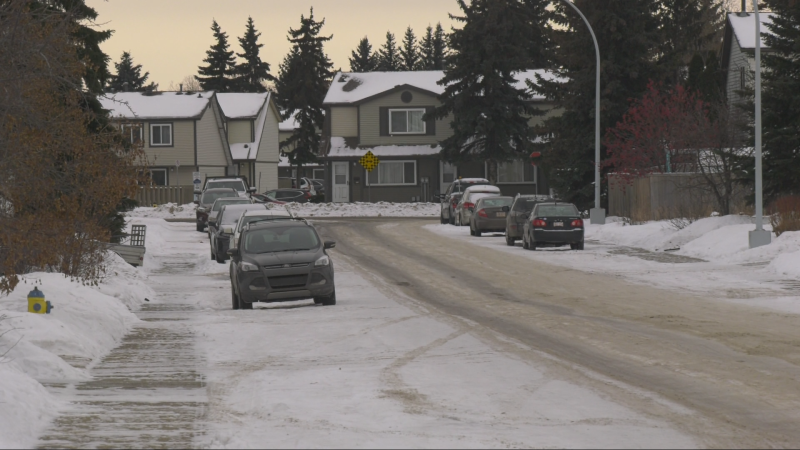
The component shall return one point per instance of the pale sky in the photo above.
(169, 38)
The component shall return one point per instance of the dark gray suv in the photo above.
(281, 261)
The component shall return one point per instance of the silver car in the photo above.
(471, 195)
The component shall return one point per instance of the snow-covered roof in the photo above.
(283, 161)
(352, 87)
(340, 149)
(249, 150)
(241, 105)
(289, 124)
(744, 28)
(162, 105)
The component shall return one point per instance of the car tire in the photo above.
(579, 246)
(532, 246)
(524, 242)
(326, 301)
(442, 220)
(451, 220)
(244, 305)
(234, 298)
(200, 227)
(476, 233)
(510, 241)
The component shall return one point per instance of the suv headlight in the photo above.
(324, 261)
(247, 267)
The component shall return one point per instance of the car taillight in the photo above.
(308, 194)
(539, 223)
(468, 205)
(482, 213)
(578, 223)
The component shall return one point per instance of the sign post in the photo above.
(196, 181)
(369, 162)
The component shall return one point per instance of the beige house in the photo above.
(186, 133)
(382, 112)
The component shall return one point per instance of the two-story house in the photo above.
(383, 112)
(288, 172)
(185, 133)
(738, 52)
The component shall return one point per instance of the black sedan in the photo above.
(280, 261)
(553, 224)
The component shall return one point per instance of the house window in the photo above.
(158, 177)
(394, 173)
(132, 131)
(741, 78)
(319, 174)
(516, 172)
(406, 121)
(161, 135)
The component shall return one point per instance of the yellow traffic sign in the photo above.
(369, 161)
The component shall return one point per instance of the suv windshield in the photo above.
(232, 184)
(232, 201)
(280, 239)
(210, 197)
(556, 210)
(230, 216)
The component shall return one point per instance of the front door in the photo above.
(341, 183)
(447, 174)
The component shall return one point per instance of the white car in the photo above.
(232, 182)
(471, 195)
(272, 212)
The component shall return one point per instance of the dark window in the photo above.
(158, 177)
(741, 78)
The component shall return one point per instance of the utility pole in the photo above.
(759, 236)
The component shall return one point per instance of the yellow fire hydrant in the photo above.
(37, 304)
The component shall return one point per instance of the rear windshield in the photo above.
(281, 239)
(233, 184)
(525, 204)
(209, 197)
(233, 201)
(248, 219)
(556, 210)
(461, 187)
(230, 216)
(498, 202)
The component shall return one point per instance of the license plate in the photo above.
(501, 214)
(558, 224)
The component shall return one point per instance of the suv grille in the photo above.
(286, 266)
(291, 281)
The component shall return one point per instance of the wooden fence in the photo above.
(662, 196)
(159, 195)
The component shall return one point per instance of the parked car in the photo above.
(467, 202)
(489, 215)
(214, 210)
(289, 195)
(452, 196)
(219, 240)
(206, 200)
(269, 213)
(553, 224)
(231, 181)
(518, 213)
(261, 198)
(281, 261)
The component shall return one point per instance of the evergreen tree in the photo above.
(220, 63)
(489, 113)
(409, 54)
(388, 56)
(303, 81)
(439, 48)
(688, 28)
(426, 51)
(252, 72)
(129, 76)
(629, 36)
(781, 100)
(362, 59)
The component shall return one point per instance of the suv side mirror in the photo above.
(330, 244)
(506, 209)
(233, 252)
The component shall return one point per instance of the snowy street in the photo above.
(440, 339)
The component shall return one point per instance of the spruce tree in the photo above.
(409, 54)
(629, 36)
(439, 48)
(388, 57)
(220, 63)
(252, 72)
(688, 28)
(129, 76)
(489, 114)
(362, 59)
(303, 81)
(781, 100)
(426, 51)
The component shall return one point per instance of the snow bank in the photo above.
(165, 211)
(85, 324)
(357, 209)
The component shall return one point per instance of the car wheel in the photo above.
(326, 301)
(532, 246)
(200, 227)
(476, 233)
(524, 242)
(579, 246)
(451, 220)
(442, 220)
(509, 241)
(234, 298)
(244, 305)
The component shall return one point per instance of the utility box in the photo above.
(36, 302)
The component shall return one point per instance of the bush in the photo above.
(785, 214)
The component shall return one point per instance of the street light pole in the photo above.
(759, 236)
(597, 215)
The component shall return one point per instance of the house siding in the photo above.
(240, 131)
(738, 59)
(182, 148)
(210, 151)
(266, 165)
(369, 113)
(344, 121)
(266, 176)
(426, 167)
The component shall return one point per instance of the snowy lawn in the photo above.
(710, 257)
(59, 348)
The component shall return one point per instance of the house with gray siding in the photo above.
(738, 52)
(383, 112)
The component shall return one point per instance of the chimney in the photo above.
(744, 5)
(181, 85)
